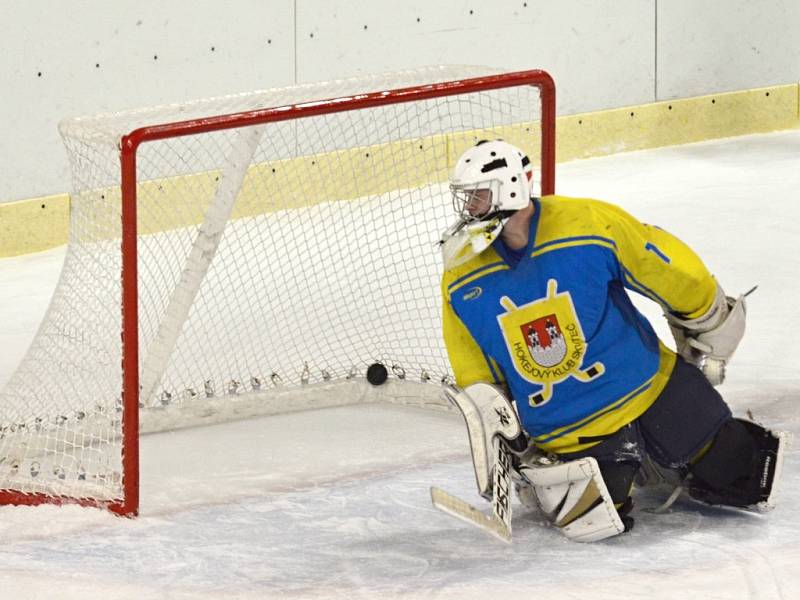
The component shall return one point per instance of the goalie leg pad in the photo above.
(575, 499)
(741, 468)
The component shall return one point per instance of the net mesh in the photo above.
(274, 258)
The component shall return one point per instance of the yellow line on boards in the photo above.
(41, 223)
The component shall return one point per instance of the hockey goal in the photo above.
(248, 255)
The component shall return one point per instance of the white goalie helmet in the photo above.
(490, 182)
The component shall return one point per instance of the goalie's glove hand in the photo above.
(710, 340)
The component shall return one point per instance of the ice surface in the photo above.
(334, 503)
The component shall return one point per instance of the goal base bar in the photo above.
(118, 507)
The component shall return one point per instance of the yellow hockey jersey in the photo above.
(555, 324)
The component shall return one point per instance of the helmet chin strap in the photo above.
(503, 215)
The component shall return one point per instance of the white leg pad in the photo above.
(575, 499)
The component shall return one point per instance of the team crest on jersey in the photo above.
(546, 342)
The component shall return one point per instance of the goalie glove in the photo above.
(710, 340)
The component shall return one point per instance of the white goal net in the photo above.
(275, 254)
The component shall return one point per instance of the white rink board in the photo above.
(80, 57)
(97, 57)
(334, 503)
(725, 45)
(575, 41)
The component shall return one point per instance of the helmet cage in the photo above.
(466, 196)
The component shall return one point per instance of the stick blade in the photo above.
(464, 511)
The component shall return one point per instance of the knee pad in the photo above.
(740, 468)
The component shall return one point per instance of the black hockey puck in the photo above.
(377, 374)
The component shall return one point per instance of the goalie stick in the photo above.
(484, 406)
(498, 523)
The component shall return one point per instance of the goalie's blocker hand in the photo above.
(487, 412)
(572, 495)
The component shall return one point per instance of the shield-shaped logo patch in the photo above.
(546, 341)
